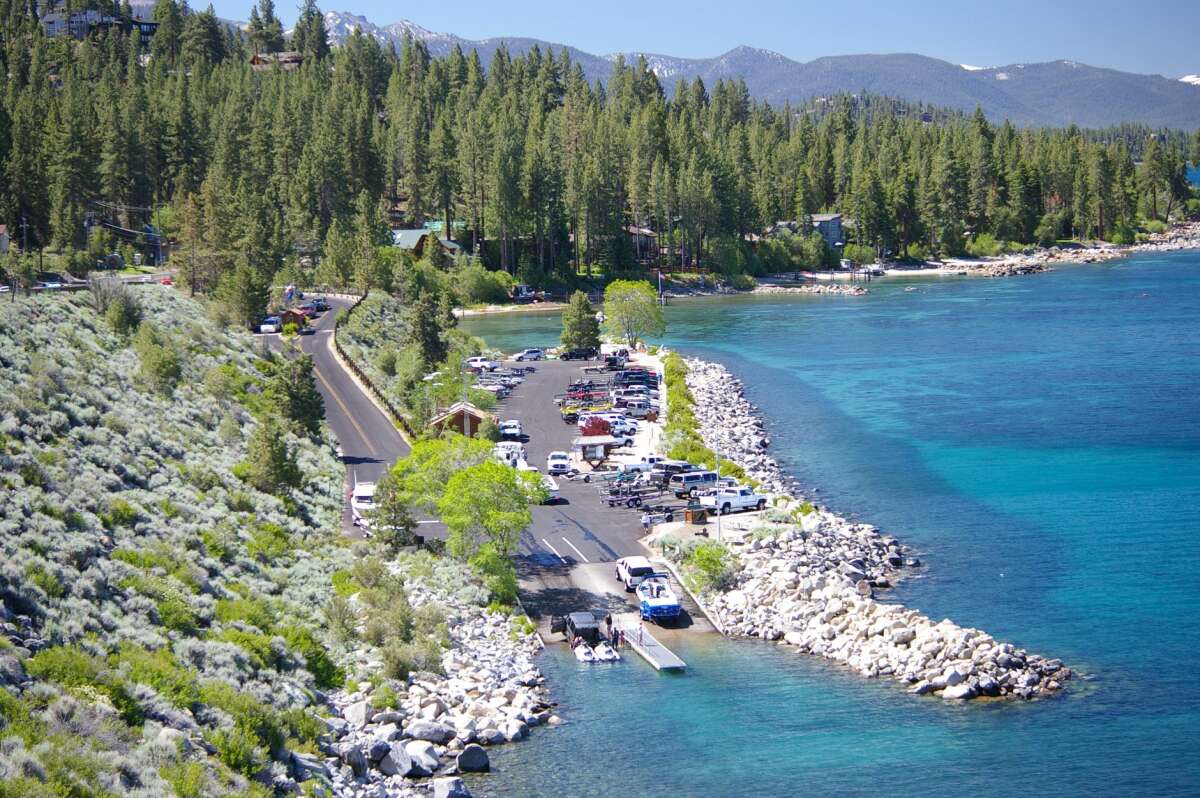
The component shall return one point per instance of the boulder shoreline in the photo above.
(809, 579)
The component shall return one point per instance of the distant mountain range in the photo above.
(1052, 93)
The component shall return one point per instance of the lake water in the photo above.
(1037, 441)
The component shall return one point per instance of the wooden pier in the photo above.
(640, 640)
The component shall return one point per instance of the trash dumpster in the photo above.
(695, 514)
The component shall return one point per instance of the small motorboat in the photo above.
(603, 652)
(584, 653)
(911, 288)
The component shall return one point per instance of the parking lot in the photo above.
(566, 556)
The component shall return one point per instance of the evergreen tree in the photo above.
(580, 325)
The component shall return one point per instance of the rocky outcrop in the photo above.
(810, 579)
(388, 738)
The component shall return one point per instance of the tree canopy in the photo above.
(632, 312)
(580, 326)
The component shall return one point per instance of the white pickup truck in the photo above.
(726, 500)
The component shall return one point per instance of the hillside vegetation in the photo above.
(168, 517)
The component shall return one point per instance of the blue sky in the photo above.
(1161, 36)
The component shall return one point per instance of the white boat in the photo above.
(584, 653)
(606, 653)
(658, 601)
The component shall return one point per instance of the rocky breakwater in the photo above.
(809, 578)
(414, 737)
(730, 426)
(812, 288)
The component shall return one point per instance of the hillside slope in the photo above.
(158, 612)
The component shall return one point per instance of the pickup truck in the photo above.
(726, 500)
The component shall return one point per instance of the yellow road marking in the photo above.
(362, 434)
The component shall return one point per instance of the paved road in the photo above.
(368, 440)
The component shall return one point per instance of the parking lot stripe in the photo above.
(556, 554)
(577, 551)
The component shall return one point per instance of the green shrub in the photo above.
(33, 476)
(239, 749)
(218, 543)
(48, 582)
(344, 583)
(187, 779)
(1153, 226)
(340, 618)
(316, 658)
(124, 314)
(859, 253)
(741, 282)
(402, 659)
(385, 697)
(160, 670)
(257, 646)
(174, 611)
(985, 245)
(268, 542)
(80, 672)
(499, 574)
(161, 367)
(252, 611)
(709, 566)
(120, 513)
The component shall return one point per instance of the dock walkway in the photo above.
(644, 643)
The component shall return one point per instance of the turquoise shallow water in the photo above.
(1036, 440)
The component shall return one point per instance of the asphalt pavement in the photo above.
(368, 441)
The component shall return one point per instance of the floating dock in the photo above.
(640, 640)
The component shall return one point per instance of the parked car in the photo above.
(632, 570)
(692, 482)
(530, 354)
(580, 353)
(320, 304)
(166, 281)
(638, 408)
(362, 501)
(271, 324)
(726, 500)
(662, 471)
(511, 430)
(480, 363)
(578, 624)
(306, 310)
(558, 463)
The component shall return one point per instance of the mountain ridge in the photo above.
(1050, 93)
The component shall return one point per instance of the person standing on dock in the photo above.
(608, 624)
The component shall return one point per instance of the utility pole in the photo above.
(24, 235)
(717, 456)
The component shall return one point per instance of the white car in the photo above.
(632, 570)
(727, 499)
(511, 430)
(362, 502)
(558, 463)
(530, 354)
(481, 363)
(551, 487)
(270, 324)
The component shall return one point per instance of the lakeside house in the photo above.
(827, 225)
(418, 241)
(78, 24)
(462, 417)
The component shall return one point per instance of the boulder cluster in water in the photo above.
(812, 288)
(809, 581)
(437, 726)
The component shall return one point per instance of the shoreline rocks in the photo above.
(808, 578)
(400, 738)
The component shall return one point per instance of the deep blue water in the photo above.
(1037, 440)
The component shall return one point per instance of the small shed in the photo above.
(291, 316)
(594, 448)
(462, 417)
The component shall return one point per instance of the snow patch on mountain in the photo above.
(1192, 79)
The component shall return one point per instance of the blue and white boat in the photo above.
(658, 601)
